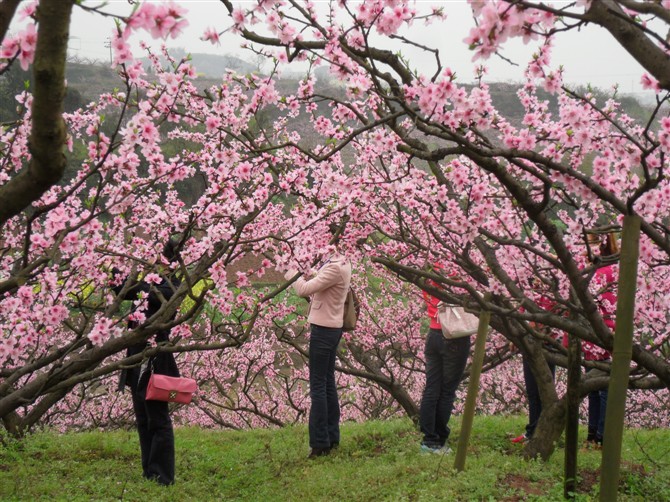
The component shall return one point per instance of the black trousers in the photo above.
(445, 364)
(533, 395)
(156, 436)
(324, 412)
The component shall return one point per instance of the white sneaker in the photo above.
(430, 449)
(444, 450)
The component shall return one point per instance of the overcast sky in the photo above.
(589, 56)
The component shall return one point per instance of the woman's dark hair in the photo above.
(171, 249)
(610, 246)
(336, 230)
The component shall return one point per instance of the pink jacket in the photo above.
(328, 290)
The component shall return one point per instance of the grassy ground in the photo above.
(376, 461)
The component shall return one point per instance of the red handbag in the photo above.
(170, 389)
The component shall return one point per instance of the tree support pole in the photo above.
(572, 418)
(473, 388)
(621, 357)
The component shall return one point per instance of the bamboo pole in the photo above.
(473, 388)
(621, 357)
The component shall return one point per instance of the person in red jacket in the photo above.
(604, 284)
(445, 364)
(532, 390)
(604, 280)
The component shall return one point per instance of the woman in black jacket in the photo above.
(152, 417)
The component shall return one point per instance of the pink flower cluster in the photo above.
(22, 46)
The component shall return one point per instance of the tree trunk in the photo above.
(47, 138)
(548, 431)
(374, 374)
(635, 41)
(12, 423)
(552, 418)
(7, 11)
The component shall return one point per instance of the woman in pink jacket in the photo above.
(327, 291)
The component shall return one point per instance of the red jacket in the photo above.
(603, 280)
(431, 307)
(544, 303)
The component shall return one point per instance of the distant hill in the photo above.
(213, 65)
(86, 81)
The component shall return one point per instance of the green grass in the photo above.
(376, 461)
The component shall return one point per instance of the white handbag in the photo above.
(455, 321)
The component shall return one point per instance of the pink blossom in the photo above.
(243, 171)
(242, 280)
(211, 35)
(28, 10)
(28, 38)
(650, 83)
(103, 330)
(358, 84)
(212, 123)
(27, 43)
(10, 47)
(134, 71)
(25, 294)
(137, 316)
(181, 331)
(238, 18)
(5, 350)
(152, 278)
(356, 39)
(55, 315)
(287, 33)
(282, 57)
(159, 20)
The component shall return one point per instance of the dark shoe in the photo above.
(334, 446)
(158, 480)
(593, 444)
(318, 452)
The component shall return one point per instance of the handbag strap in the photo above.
(147, 365)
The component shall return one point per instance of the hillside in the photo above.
(87, 81)
(212, 66)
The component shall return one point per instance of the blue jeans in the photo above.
(324, 414)
(597, 409)
(445, 364)
(533, 395)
